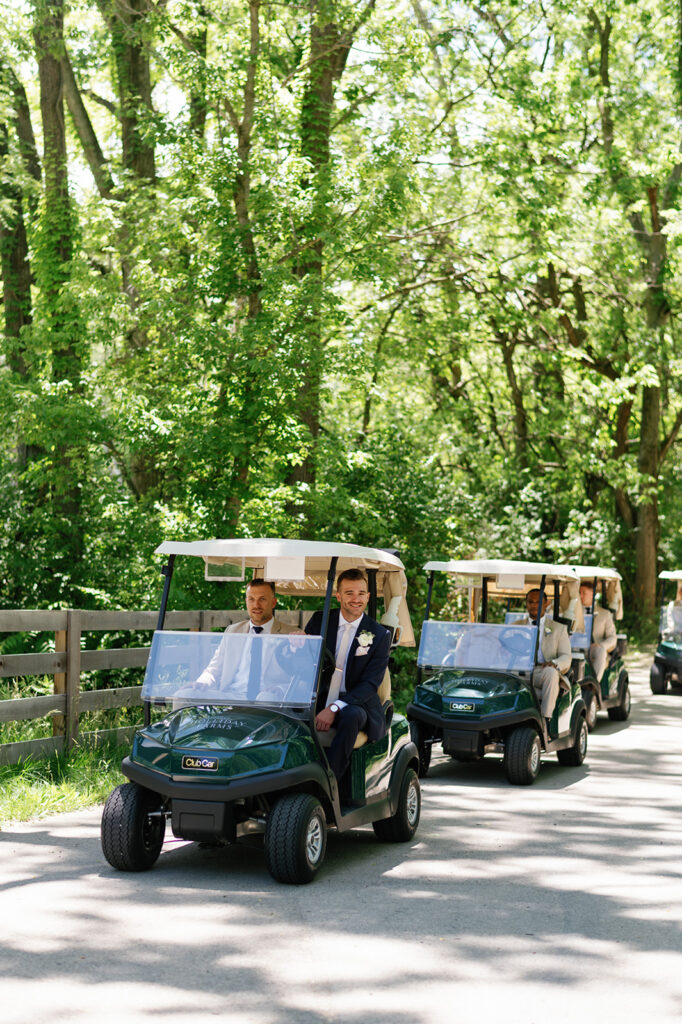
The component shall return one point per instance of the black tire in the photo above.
(402, 825)
(657, 679)
(522, 753)
(574, 755)
(295, 838)
(131, 840)
(621, 712)
(417, 734)
(590, 709)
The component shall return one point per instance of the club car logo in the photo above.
(202, 764)
(459, 705)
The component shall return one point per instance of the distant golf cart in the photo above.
(667, 666)
(474, 694)
(612, 693)
(244, 757)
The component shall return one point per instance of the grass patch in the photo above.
(63, 782)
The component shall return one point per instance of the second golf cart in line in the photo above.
(474, 694)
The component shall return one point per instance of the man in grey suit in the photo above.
(555, 649)
(604, 637)
(223, 672)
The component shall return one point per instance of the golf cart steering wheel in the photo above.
(513, 640)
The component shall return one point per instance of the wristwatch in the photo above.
(334, 708)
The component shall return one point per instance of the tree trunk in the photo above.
(59, 317)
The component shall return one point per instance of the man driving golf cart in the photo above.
(477, 679)
(605, 684)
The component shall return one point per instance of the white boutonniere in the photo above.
(365, 639)
(548, 630)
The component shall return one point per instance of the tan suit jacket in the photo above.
(219, 672)
(554, 643)
(604, 629)
(277, 627)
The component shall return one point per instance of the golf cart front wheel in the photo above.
(657, 679)
(418, 736)
(132, 834)
(295, 838)
(590, 709)
(575, 754)
(402, 825)
(621, 712)
(522, 756)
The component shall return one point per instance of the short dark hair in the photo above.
(351, 574)
(261, 583)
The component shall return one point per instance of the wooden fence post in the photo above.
(73, 675)
(58, 721)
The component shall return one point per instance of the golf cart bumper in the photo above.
(462, 737)
(669, 661)
(226, 792)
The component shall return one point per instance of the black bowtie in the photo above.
(257, 629)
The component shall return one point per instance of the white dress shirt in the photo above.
(352, 627)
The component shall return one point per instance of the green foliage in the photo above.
(422, 316)
(34, 789)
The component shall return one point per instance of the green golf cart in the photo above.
(667, 666)
(611, 693)
(474, 694)
(241, 755)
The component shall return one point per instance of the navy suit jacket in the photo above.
(364, 672)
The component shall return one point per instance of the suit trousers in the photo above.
(348, 723)
(598, 658)
(546, 686)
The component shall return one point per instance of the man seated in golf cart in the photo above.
(555, 647)
(359, 649)
(672, 625)
(260, 604)
(237, 668)
(604, 637)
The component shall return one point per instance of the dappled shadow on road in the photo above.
(575, 880)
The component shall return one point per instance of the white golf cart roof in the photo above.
(509, 575)
(611, 577)
(596, 571)
(299, 567)
(509, 578)
(671, 574)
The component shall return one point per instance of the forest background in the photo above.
(404, 274)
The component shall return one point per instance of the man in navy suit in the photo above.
(359, 648)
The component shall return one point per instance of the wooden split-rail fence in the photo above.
(68, 661)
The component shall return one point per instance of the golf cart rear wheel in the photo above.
(402, 825)
(131, 839)
(621, 711)
(295, 838)
(657, 679)
(522, 756)
(575, 754)
(590, 709)
(417, 733)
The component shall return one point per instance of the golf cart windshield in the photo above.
(670, 626)
(477, 645)
(236, 668)
(581, 640)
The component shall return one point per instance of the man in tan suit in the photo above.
(223, 672)
(555, 650)
(604, 637)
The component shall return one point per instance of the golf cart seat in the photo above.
(384, 694)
